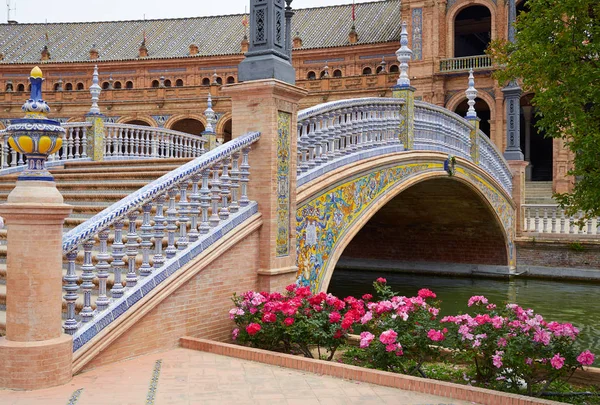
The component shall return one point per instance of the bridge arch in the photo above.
(332, 211)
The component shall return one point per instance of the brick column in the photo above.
(35, 353)
(517, 168)
(270, 106)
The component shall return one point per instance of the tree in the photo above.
(556, 55)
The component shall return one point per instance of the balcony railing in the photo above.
(550, 218)
(465, 63)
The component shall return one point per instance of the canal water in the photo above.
(561, 301)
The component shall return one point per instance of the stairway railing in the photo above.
(331, 130)
(218, 202)
(124, 140)
(551, 219)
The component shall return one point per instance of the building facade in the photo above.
(159, 72)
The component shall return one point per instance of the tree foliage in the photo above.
(557, 56)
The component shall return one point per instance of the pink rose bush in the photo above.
(513, 345)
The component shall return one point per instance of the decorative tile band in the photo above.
(284, 122)
(151, 396)
(75, 397)
(417, 33)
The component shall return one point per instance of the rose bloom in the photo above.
(269, 317)
(381, 280)
(477, 299)
(365, 339)
(426, 293)
(334, 317)
(367, 297)
(388, 337)
(288, 321)
(557, 361)
(253, 329)
(586, 358)
(435, 335)
(235, 333)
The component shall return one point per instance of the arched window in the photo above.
(219, 80)
(20, 87)
(394, 69)
(230, 80)
(105, 85)
(117, 85)
(337, 73)
(179, 83)
(56, 86)
(137, 122)
(367, 71)
(311, 75)
(129, 84)
(80, 86)
(154, 83)
(167, 83)
(69, 86)
(322, 74)
(472, 31)
(206, 81)
(379, 69)
(189, 126)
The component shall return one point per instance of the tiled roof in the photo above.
(319, 27)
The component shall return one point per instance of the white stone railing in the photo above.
(217, 202)
(465, 63)
(492, 161)
(124, 140)
(332, 130)
(551, 219)
(441, 130)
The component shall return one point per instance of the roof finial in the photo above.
(471, 93)
(95, 91)
(404, 54)
(210, 116)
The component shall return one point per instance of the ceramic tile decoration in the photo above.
(417, 33)
(284, 122)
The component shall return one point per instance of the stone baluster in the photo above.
(537, 220)
(225, 190)
(562, 221)
(526, 213)
(204, 202)
(118, 252)
(320, 148)
(71, 288)
(301, 149)
(194, 209)
(87, 277)
(13, 160)
(245, 177)
(102, 267)
(182, 241)
(545, 221)
(346, 132)
(234, 206)
(337, 143)
(5, 152)
(170, 251)
(331, 120)
(70, 143)
(84, 142)
(146, 236)
(154, 144)
(589, 226)
(119, 146)
(159, 232)
(132, 250)
(571, 224)
(553, 229)
(311, 141)
(216, 195)
(108, 141)
(76, 142)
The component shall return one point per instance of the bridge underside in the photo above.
(431, 224)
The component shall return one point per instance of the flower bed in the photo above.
(503, 347)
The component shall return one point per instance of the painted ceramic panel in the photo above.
(283, 183)
(417, 33)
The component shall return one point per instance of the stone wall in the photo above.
(558, 254)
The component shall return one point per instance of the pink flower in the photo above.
(502, 342)
(288, 321)
(434, 311)
(235, 333)
(334, 317)
(497, 359)
(528, 361)
(541, 336)
(557, 361)
(253, 329)
(269, 317)
(399, 351)
(435, 335)
(426, 293)
(365, 339)
(234, 311)
(366, 317)
(490, 307)
(390, 348)
(388, 337)
(497, 322)
(586, 358)
(290, 288)
(477, 299)
(253, 310)
(367, 297)
(381, 280)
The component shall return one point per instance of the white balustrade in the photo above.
(219, 185)
(551, 219)
(492, 161)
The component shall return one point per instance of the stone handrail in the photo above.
(493, 162)
(74, 147)
(465, 63)
(218, 201)
(125, 140)
(551, 219)
(331, 130)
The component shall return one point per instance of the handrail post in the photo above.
(95, 134)
(404, 90)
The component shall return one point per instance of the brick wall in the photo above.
(582, 255)
(199, 308)
(438, 220)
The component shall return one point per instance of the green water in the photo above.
(574, 302)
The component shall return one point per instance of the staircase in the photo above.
(89, 187)
(538, 192)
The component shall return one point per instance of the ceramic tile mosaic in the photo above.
(284, 122)
(417, 33)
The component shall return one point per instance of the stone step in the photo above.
(97, 177)
(70, 165)
(118, 169)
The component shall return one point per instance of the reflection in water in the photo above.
(573, 302)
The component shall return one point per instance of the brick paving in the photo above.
(183, 376)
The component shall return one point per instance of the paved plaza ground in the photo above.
(182, 376)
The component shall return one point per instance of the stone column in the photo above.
(273, 161)
(95, 134)
(34, 353)
(404, 90)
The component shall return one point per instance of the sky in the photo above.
(40, 11)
